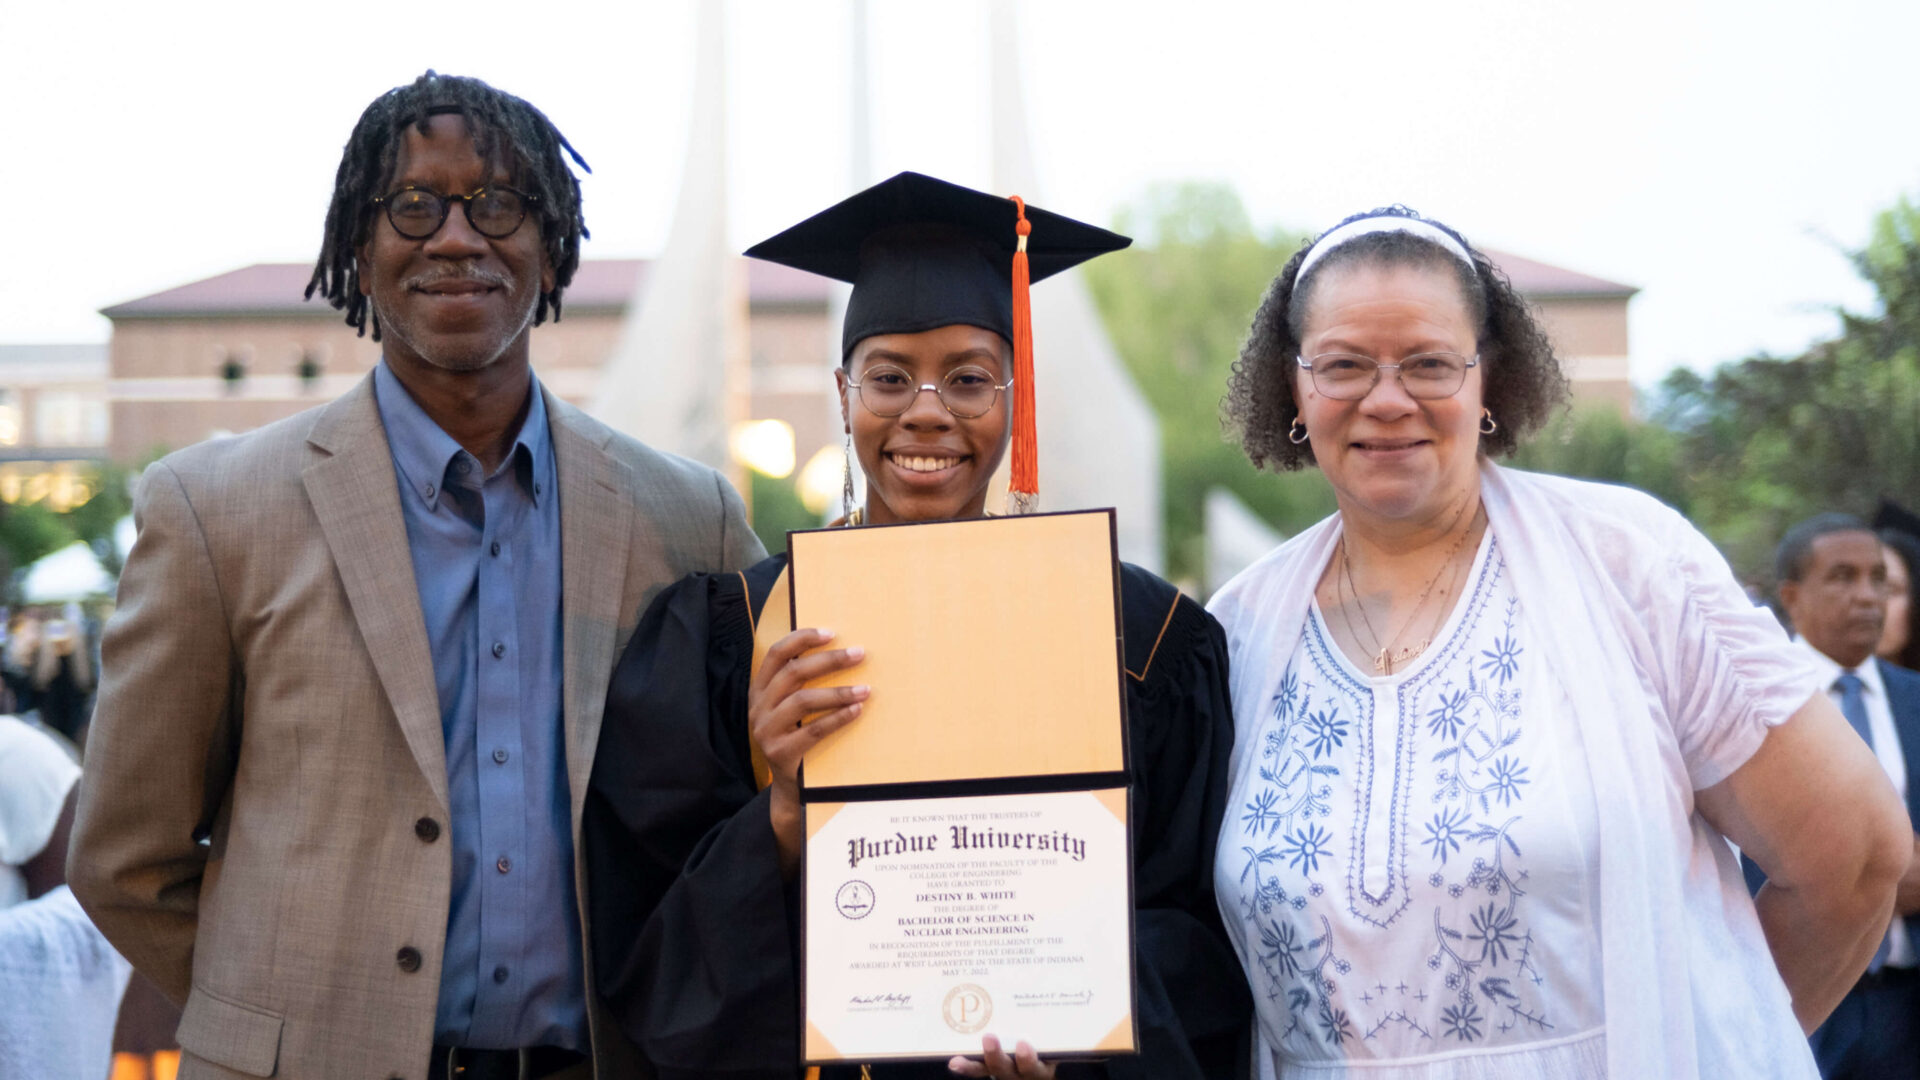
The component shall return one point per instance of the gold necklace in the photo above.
(1385, 657)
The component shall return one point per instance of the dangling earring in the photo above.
(1488, 425)
(1297, 433)
(846, 483)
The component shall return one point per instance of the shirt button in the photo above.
(408, 958)
(494, 550)
(499, 649)
(500, 974)
(505, 864)
(460, 464)
(427, 491)
(427, 829)
(500, 755)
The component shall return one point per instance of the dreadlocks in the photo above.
(503, 127)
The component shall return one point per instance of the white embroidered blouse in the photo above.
(1487, 865)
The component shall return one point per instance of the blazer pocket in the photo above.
(228, 1033)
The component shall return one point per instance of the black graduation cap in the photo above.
(923, 253)
(1892, 515)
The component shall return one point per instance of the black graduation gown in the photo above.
(694, 940)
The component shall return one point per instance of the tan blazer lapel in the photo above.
(595, 525)
(356, 496)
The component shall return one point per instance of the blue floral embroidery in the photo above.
(1460, 713)
(1262, 812)
(1445, 832)
(1329, 732)
(1462, 1021)
(1493, 929)
(1445, 721)
(1334, 1024)
(1508, 775)
(1279, 948)
(1306, 847)
(1503, 660)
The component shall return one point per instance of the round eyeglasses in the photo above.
(494, 211)
(1350, 377)
(966, 392)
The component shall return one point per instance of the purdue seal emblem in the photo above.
(967, 1008)
(854, 900)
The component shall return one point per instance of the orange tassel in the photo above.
(1023, 495)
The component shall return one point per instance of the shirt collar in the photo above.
(1830, 670)
(423, 453)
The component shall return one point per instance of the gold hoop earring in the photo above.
(1297, 432)
(1488, 425)
(846, 480)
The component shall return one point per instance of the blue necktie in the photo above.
(1853, 706)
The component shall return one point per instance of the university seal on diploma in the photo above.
(968, 860)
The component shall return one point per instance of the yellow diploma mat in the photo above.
(992, 647)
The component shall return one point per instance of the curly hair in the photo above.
(1523, 380)
(504, 128)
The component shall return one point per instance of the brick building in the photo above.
(53, 422)
(233, 352)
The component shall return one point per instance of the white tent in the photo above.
(1236, 537)
(71, 573)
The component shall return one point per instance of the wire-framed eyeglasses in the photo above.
(966, 392)
(1350, 376)
(494, 211)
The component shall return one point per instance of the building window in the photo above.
(310, 367)
(233, 367)
(70, 418)
(9, 417)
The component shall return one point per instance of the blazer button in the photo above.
(408, 958)
(427, 829)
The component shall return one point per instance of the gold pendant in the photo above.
(1384, 662)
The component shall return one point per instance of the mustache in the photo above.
(440, 275)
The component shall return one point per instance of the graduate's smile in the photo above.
(931, 465)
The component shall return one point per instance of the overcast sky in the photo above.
(1715, 154)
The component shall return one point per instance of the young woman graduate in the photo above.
(692, 827)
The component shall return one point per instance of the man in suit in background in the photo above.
(353, 687)
(1833, 589)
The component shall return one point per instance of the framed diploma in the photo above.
(968, 865)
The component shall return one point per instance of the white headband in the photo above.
(1367, 226)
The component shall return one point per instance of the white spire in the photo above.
(677, 377)
(1099, 440)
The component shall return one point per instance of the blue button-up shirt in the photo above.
(486, 560)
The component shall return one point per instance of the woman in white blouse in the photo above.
(1493, 729)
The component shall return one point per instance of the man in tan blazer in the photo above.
(350, 698)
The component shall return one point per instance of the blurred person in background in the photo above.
(1899, 641)
(60, 982)
(1494, 728)
(1834, 582)
(63, 673)
(18, 660)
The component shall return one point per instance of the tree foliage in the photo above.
(30, 532)
(1177, 306)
